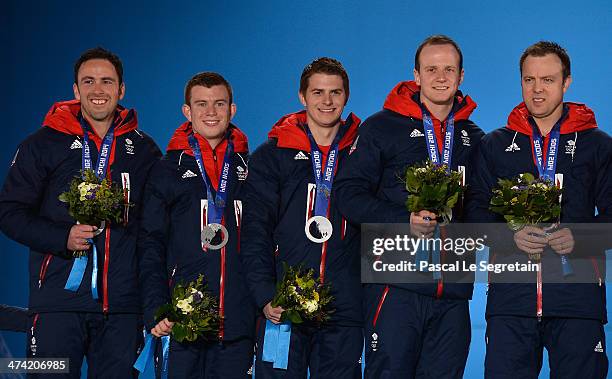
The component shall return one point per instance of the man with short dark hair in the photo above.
(413, 329)
(196, 188)
(552, 308)
(287, 194)
(94, 315)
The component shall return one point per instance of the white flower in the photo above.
(311, 306)
(86, 188)
(185, 305)
(421, 169)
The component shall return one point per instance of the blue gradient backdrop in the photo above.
(261, 48)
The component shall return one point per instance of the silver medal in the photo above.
(210, 232)
(323, 229)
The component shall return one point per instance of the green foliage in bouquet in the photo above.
(194, 311)
(91, 200)
(302, 297)
(525, 200)
(431, 188)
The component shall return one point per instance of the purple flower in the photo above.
(197, 297)
(92, 194)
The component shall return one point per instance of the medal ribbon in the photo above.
(548, 168)
(325, 178)
(80, 264)
(422, 254)
(276, 343)
(148, 352)
(432, 144)
(216, 204)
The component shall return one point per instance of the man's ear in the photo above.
(187, 112)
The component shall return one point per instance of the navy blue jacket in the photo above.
(369, 188)
(584, 159)
(169, 245)
(31, 214)
(279, 199)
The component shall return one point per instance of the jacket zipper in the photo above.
(380, 304)
(322, 265)
(596, 268)
(214, 154)
(539, 292)
(43, 268)
(222, 294)
(105, 273)
(222, 271)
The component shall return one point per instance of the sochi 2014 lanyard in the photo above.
(432, 144)
(105, 149)
(546, 169)
(216, 204)
(325, 178)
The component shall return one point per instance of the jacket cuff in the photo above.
(264, 294)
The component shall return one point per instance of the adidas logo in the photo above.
(598, 348)
(76, 144)
(300, 155)
(188, 174)
(512, 148)
(416, 133)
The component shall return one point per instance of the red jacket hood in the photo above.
(180, 140)
(578, 117)
(290, 133)
(63, 117)
(401, 100)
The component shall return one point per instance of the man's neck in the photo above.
(214, 142)
(99, 127)
(545, 124)
(439, 111)
(324, 136)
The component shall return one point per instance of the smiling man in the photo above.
(412, 329)
(196, 186)
(289, 217)
(100, 311)
(543, 310)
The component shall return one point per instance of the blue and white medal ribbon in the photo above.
(432, 144)
(548, 168)
(422, 253)
(80, 264)
(277, 338)
(148, 352)
(324, 181)
(217, 202)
